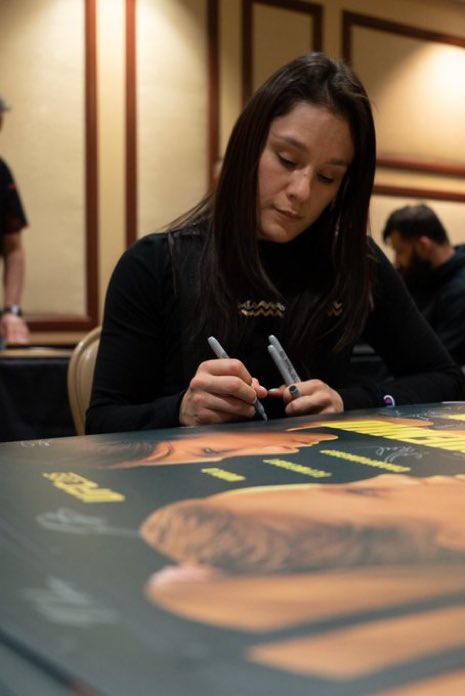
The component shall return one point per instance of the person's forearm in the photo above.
(13, 279)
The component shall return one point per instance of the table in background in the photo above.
(33, 393)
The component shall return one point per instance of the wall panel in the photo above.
(274, 32)
(172, 109)
(49, 139)
(416, 81)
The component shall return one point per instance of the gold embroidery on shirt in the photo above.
(261, 309)
(336, 309)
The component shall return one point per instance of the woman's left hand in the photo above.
(312, 396)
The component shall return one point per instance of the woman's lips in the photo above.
(288, 214)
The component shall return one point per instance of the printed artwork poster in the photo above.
(320, 555)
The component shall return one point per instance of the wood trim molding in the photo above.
(351, 19)
(213, 107)
(92, 231)
(131, 124)
(420, 193)
(213, 135)
(54, 322)
(354, 19)
(413, 165)
(60, 322)
(316, 12)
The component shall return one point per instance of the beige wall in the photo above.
(111, 100)
(43, 137)
(41, 75)
(171, 96)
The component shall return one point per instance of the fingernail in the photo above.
(294, 391)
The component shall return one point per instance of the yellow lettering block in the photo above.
(222, 474)
(298, 468)
(367, 461)
(82, 488)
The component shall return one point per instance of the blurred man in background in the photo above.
(433, 270)
(13, 328)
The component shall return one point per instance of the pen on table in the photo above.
(220, 352)
(284, 365)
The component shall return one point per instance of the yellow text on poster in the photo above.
(82, 488)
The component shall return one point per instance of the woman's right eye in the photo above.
(289, 164)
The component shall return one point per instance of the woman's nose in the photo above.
(300, 185)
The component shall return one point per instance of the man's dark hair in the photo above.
(414, 221)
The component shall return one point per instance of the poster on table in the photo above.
(321, 555)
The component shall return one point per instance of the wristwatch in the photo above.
(13, 309)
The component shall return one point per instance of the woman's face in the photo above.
(306, 156)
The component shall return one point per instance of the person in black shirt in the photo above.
(13, 328)
(433, 270)
(280, 246)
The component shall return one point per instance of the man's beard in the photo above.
(417, 277)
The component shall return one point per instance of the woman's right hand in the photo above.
(222, 390)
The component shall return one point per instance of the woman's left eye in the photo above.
(326, 179)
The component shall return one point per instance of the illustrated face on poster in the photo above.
(214, 446)
(388, 519)
(191, 446)
(269, 558)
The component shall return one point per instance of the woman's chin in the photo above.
(277, 235)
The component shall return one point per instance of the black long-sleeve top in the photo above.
(442, 302)
(12, 215)
(147, 354)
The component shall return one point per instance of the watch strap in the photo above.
(13, 309)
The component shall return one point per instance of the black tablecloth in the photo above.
(33, 395)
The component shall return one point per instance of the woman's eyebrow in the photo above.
(294, 142)
(290, 140)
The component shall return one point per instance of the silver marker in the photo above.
(220, 352)
(282, 361)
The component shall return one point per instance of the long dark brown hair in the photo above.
(231, 267)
